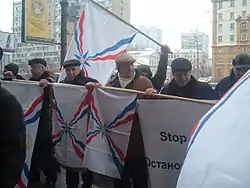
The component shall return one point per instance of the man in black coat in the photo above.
(75, 76)
(11, 72)
(42, 157)
(12, 139)
(241, 64)
(184, 84)
(160, 76)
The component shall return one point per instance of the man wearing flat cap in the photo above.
(241, 64)
(75, 76)
(135, 168)
(184, 84)
(42, 157)
(135, 165)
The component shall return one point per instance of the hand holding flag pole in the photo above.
(130, 25)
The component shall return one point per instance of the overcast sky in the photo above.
(172, 16)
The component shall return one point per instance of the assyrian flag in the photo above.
(109, 131)
(218, 152)
(31, 98)
(70, 115)
(98, 39)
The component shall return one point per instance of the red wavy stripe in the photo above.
(34, 105)
(124, 121)
(84, 103)
(92, 137)
(86, 72)
(81, 30)
(57, 135)
(108, 57)
(118, 150)
(96, 112)
(79, 153)
(21, 184)
(194, 129)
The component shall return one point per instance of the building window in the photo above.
(231, 15)
(220, 27)
(231, 26)
(220, 17)
(232, 3)
(220, 38)
(243, 37)
(219, 73)
(220, 6)
(244, 2)
(231, 38)
(244, 14)
(244, 50)
(231, 49)
(243, 25)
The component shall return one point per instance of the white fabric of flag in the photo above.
(70, 115)
(111, 118)
(98, 39)
(30, 97)
(166, 128)
(218, 153)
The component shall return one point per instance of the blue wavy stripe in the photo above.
(92, 132)
(115, 47)
(34, 118)
(128, 108)
(94, 118)
(26, 170)
(215, 109)
(59, 113)
(76, 41)
(81, 115)
(118, 164)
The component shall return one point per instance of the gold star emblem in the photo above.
(82, 60)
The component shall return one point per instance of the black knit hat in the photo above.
(14, 68)
(71, 63)
(241, 59)
(146, 69)
(37, 61)
(181, 65)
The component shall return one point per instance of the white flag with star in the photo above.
(98, 39)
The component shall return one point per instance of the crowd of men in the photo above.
(12, 124)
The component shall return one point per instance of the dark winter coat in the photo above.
(79, 80)
(45, 123)
(194, 89)
(12, 139)
(160, 76)
(19, 77)
(225, 84)
(140, 83)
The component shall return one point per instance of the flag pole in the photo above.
(130, 25)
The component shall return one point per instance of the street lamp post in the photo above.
(64, 22)
(197, 56)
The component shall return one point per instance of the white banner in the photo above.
(70, 115)
(218, 155)
(96, 45)
(31, 98)
(111, 119)
(166, 128)
(7, 41)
